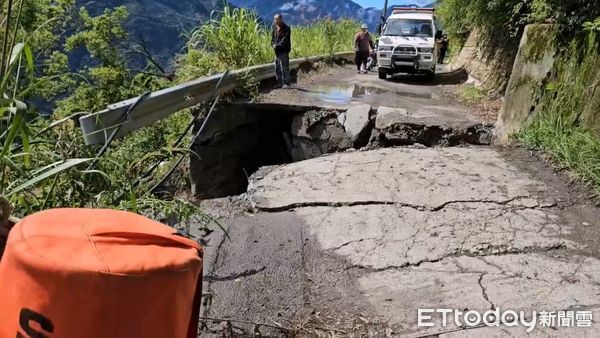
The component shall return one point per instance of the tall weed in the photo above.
(237, 38)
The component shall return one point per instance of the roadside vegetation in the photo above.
(59, 61)
(484, 104)
(471, 94)
(509, 17)
(566, 121)
(572, 148)
(237, 38)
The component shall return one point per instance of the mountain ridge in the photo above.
(160, 24)
(302, 12)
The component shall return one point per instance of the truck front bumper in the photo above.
(406, 63)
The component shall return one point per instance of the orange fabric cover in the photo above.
(75, 273)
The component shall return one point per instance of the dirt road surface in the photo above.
(342, 87)
(354, 243)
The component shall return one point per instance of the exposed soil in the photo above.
(486, 110)
(578, 202)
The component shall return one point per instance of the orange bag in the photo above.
(80, 273)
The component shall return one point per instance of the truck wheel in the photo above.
(382, 74)
(430, 77)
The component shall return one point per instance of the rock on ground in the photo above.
(357, 124)
(316, 133)
(398, 126)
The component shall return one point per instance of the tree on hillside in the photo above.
(462, 16)
(106, 77)
(42, 38)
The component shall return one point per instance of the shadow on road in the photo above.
(454, 77)
(273, 266)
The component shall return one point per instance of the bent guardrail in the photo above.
(98, 127)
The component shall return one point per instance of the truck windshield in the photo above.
(409, 27)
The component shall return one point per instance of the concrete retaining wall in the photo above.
(532, 68)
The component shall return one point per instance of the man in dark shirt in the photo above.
(363, 45)
(282, 44)
(443, 49)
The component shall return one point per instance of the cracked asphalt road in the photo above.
(379, 234)
(354, 243)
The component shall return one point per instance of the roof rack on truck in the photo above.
(409, 9)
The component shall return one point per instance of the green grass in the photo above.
(238, 39)
(570, 147)
(471, 94)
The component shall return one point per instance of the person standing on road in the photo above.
(443, 49)
(363, 46)
(281, 41)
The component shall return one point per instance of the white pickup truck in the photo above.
(408, 42)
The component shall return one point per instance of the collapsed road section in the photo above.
(240, 138)
(387, 202)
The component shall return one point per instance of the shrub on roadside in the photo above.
(237, 38)
(462, 16)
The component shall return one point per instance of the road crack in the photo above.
(207, 301)
(484, 291)
(354, 242)
(337, 204)
(460, 253)
(243, 274)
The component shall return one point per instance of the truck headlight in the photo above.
(385, 48)
(425, 50)
(386, 40)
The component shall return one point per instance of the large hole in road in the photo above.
(241, 138)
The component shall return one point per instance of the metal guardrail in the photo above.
(98, 127)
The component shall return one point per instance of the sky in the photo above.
(379, 3)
